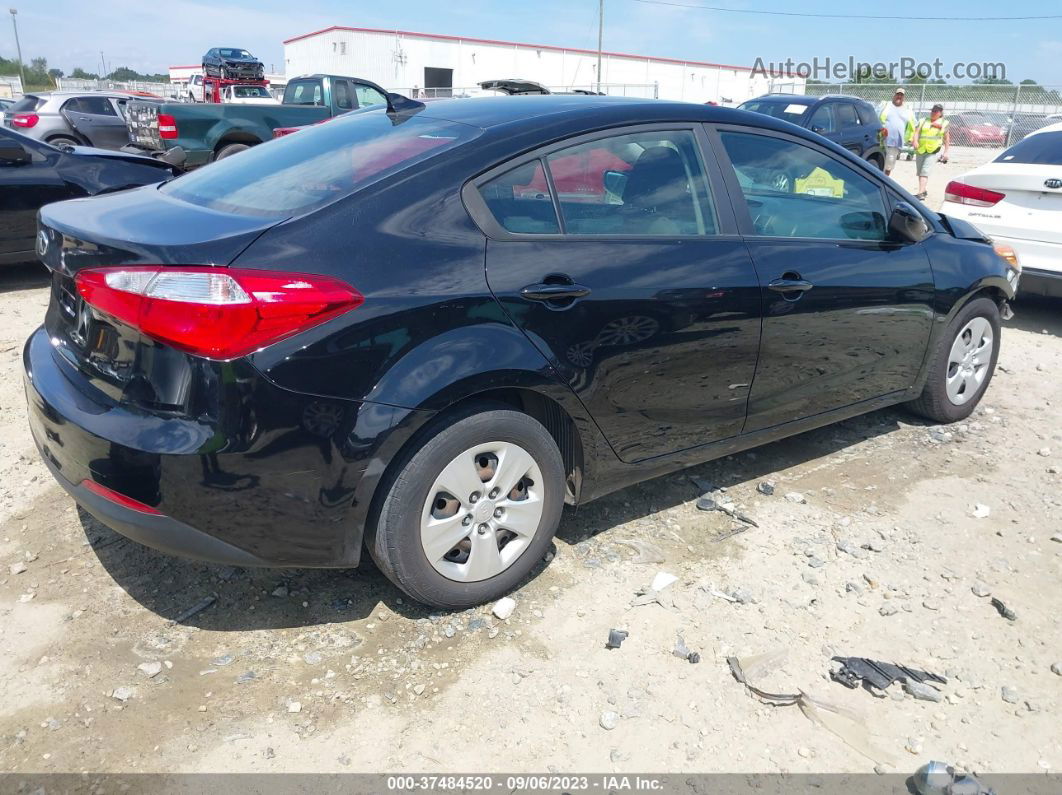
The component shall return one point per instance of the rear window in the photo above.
(790, 111)
(327, 162)
(303, 92)
(1042, 149)
(26, 104)
(867, 114)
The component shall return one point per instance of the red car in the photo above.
(974, 129)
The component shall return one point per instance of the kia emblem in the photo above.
(1054, 182)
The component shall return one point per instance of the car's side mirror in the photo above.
(907, 224)
(615, 182)
(13, 154)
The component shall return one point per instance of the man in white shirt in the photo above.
(898, 121)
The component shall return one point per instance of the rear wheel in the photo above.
(962, 365)
(230, 149)
(878, 161)
(469, 513)
(63, 140)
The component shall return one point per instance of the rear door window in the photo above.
(341, 95)
(303, 92)
(845, 115)
(96, 106)
(520, 200)
(867, 115)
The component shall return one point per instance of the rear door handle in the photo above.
(553, 292)
(790, 286)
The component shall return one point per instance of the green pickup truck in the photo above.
(194, 134)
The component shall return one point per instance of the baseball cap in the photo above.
(939, 107)
(900, 90)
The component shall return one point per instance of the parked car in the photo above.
(33, 173)
(374, 333)
(975, 129)
(232, 63)
(1017, 200)
(849, 121)
(73, 118)
(247, 95)
(207, 132)
(1023, 124)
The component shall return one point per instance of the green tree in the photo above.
(81, 74)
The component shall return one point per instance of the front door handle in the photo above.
(546, 291)
(785, 285)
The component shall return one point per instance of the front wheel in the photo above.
(469, 513)
(962, 365)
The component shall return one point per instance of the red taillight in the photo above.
(280, 132)
(962, 193)
(167, 126)
(118, 499)
(219, 313)
(25, 119)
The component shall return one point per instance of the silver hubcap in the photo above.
(968, 361)
(482, 512)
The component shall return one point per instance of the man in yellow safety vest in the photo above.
(930, 135)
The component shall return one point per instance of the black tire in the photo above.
(934, 403)
(64, 140)
(230, 149)
(394, 531)
(878, 161)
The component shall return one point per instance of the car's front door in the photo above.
(624, 268)
(847, 308)
(96, 119)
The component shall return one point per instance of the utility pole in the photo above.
(18, 47)
(600, 37)
(103, 66)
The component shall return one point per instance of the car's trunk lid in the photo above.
(135, 227)
(1033, 199)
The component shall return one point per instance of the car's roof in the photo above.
(804, 98)
(529, 111)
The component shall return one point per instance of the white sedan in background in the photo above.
(247, 95)
(1016, 199)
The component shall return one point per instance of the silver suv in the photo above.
(77, 118)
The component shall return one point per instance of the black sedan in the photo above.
(33, 173)
(422, 331)
(232, 63)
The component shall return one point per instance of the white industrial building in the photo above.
(433, 64)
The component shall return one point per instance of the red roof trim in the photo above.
(190, 66)
(552, 47)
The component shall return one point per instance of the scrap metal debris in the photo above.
(195, 609)
(845, 723)
(1004, 611)
(876, 676)
(682, 651)
(938, 778)
(656, 593)
(710, 502)
(616, 638)
(647, 552)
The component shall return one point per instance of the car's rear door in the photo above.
(847, 309)
(24, 189)
(97, 120)
(617, 254)
(851, 134)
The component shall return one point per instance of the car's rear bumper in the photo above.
(274, 480)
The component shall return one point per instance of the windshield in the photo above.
(229, 53)
(251, 91)
(790, 111)
(1043, 149)
(299, 173)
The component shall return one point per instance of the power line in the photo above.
(844, 16)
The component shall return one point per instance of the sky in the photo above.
(149, 37)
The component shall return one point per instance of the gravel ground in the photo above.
(885, 554)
